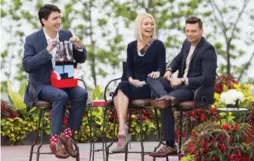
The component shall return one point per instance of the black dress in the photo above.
(138, 67)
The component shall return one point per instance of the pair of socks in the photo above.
(54, 138)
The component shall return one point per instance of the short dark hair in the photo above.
(193, 20)
(46, 10)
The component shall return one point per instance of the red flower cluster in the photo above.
(7, 112)
(238, 156)
(223, 143)
(227, 80)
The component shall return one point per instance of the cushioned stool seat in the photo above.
(42, 104)
(187, 105)
(140, 103)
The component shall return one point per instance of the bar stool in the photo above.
(138, 105)
(44, 106)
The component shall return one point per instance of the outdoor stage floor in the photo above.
(21, 153)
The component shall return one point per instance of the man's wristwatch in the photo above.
(169, 69)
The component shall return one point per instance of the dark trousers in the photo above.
(161, 87)
(59, 99)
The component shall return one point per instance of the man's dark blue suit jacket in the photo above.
(203, 65)
(37, 62)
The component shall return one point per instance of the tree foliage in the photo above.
(105, 27)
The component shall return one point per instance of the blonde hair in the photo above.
(138, 23)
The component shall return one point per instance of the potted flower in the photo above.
(232, 98)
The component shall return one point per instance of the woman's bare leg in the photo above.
(121, 102)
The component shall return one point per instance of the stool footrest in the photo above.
(43, 152)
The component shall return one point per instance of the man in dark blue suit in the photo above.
(196, 65)
(39, 62)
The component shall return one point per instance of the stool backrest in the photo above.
(124, 75)
(204, 96)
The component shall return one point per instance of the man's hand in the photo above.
(135, 82)
(154, 74)
(167, 75)
(52, 44)
(175, 82)
(76, 42)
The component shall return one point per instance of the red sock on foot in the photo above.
(53, 139)
(68, 133)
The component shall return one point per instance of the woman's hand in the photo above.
(154, 74)
(135, 82)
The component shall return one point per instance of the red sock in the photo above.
(53, 139)
(68, 133)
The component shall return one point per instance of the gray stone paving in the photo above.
(21, 153)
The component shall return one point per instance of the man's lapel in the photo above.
(197, 49)
(61, 36)
(42, 39)
(186, 50)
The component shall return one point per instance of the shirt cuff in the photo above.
(186, 81)
(80, 50)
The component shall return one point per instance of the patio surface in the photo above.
(21, 153)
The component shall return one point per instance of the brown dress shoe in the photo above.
(59, 151)
(164, 151)
(68, 144)
(164, 101)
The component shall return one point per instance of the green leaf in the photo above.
(16, 99)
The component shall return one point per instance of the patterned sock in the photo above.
(53, 139)
(68, 133)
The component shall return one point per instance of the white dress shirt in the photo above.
(187, 64)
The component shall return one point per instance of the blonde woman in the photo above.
(145, 58)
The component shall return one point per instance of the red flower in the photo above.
(235, 127)
(191, 147)
(65, 122)
(214, 158)
(202, 117)
(247, 139)
(143, 117)
(213, 110)
(225, 127)
(218, 88)
(222, 147)
(232, 157)
(230, 140)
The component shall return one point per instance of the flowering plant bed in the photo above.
(211, 141)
